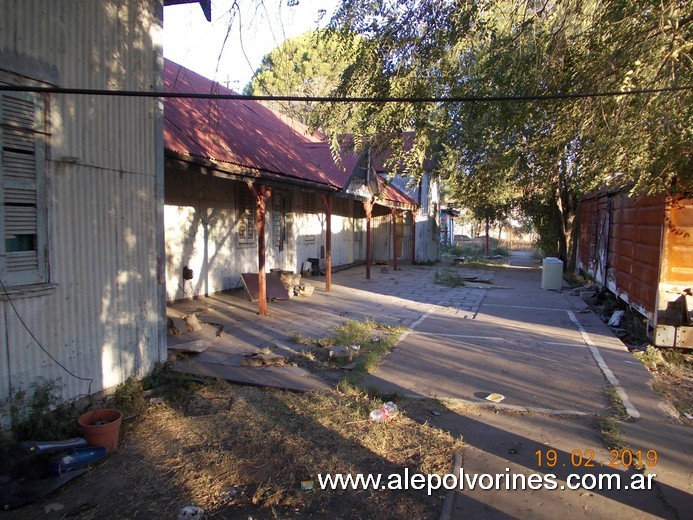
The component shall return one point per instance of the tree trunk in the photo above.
(561, 232)
(488, 225)
(574, 238)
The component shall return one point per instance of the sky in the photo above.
(232, 56)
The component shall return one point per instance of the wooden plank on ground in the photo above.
(286, 377)
(197, 346)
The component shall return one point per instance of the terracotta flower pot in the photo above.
(101, 428)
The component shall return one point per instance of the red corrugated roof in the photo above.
(243, 133)
(340, 174)
(392, 194)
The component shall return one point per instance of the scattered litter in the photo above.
(343, 351)
(307, 485)
(688, 416)
(349, 366)
(191, 513)
(435, 412)
(383, 414)
(615, 319)
(262, 360)
(172, 329)
(157, 400)
(304, 289)
(192, 323)
(496, 398)
(55, 506)
(220, 331)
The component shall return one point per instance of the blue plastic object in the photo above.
(78, 458)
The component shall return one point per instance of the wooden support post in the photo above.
(393, 212)
(368, 207)
(327, 199)
(261, 193)
(413, 237)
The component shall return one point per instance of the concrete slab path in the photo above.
(544, 351)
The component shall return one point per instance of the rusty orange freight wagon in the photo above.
(641, 249)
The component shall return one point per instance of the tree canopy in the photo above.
(540, 154)
(308, 65)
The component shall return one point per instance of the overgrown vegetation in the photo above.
(608, 424)
(39, 414)
(476, 249)
(239, 451)
(540, 155)
(672, 371)
(449, 278)
(129, 398)
(651, 359)
(372, 340)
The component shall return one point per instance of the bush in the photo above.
(40, 414)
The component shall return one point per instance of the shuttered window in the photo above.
(279, 220)
(246, 216)
(22, 207)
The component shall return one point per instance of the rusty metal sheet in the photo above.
(677, 254)
(274, 287)
(593, 238)
(635, 241)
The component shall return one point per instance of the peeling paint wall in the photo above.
(202, 232)
(98, 314)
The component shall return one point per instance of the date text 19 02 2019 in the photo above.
(551, 458)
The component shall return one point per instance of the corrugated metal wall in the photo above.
(381, 238)
(677, 261)
(594, 236)
(620, 242)
(100, 319)
(201, 233)
(635, 242)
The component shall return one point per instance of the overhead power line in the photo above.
(326, 99)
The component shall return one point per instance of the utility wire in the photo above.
(327, 99)
(26, 327)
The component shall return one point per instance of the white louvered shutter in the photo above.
(22, 181)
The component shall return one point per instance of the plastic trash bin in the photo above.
(552, 274)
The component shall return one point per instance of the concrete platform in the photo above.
(544, 351)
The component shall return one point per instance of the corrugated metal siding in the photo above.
(101, 319)
(677, 261)
(87, 44)
(620, 245)
(635, 242)
(593, 237)
(381, 238)
(200, 220)
(200, 231)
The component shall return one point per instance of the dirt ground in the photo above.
(242, 452)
